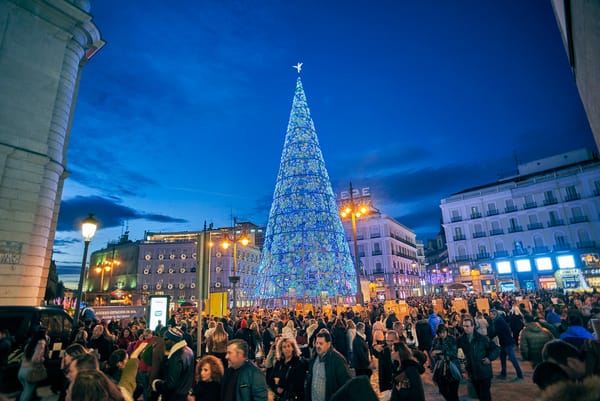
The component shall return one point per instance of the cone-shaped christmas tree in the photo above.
(305, 254)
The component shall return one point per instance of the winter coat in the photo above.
(336, 373)
(532, 340)
(360, 356)
(576, 335)
(434, 321)
(503, 332)
(408, 385)
(291, 378)
(480, 347)
(340, 340)
(423, 330)
(177, 373)
(251, 384)
(566, 390)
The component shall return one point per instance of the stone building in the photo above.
(43, 47)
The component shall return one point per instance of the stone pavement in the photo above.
(502, 390)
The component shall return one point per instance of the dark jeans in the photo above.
(509, 351)
(482, 388)
(449, 389)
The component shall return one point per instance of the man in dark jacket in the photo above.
(177, 371)
(479, 352)
(327, 371)
(242, 381)
(507, 345)
(360, 352)
(385, 366)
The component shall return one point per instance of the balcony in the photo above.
(515, 229)
(562, 247)
(376, 253)
(510, 209)
(540, 249)
(501, 254)
(519, 252)
(462, 258)
(557, 222)
(572, 197)
(460, 237)
(578, 219)
(482, 255)
(550, 201)
(586, 244)
(530, 205)
(475, 215)
(496, 231)
(479, 234)
(455, 219)
(493, 212)
(535, 226)
(375, 235)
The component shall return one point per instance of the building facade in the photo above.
(538, 229)
(388, 256)
(44, 46)
(166, 264)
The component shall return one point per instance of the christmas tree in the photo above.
(305, 254)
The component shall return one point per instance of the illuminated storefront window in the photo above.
(503, 267)
(543, 264)
(565, 261)
(523, 265)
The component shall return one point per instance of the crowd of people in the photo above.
(317, 357)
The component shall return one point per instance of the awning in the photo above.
(457, 286)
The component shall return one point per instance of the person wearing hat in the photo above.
(177, 371)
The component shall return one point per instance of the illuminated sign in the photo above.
(465, 270)
(565, 261)
(485, 268)
(158, 310)
(356, 193)
(523, 265)
(543, 264)
(503, 267)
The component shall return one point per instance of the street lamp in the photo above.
(234, 278)
(88, 229)
(355, 211)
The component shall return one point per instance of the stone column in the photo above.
(43, 46)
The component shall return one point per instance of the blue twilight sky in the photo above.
(181, 117)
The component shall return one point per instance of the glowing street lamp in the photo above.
(88, 229)
(355, 211)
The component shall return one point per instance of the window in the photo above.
(375, 233)
(482, 249)
(583, 236)
(560, 239)
(376, 247)
(538, 241)
(462, 251)
(499, 246)
(529, 200)
(533, 220)
(495, 225)
(514, 223)
(571, 192)
(549, 198)
(458, 231)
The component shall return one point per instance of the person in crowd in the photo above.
(516, 323)
(327, 371)
(552, 317)
(339, 336)
(125, 338)
(507, 346)
(6, 345)
(434, 320)
(81, 337)
(116, 363)
(244, 333)
(424, 336)
(351, 334)
(288, 375)
(269, 336)
(217, 343)
(34, 354)
(71, 352)
(479, 353)
(100, 343)
(532, 339)
(242, 381)
(576, 334)
(546, 374)
(255, 338)
(92, 385)
(444, 349)
(385, 366)
(567, 357)
(361, 357)
(177, 369)
(408, 385)
(481, 324)
(209, 374)
(289, 329)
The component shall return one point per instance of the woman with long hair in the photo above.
(217, 343)
(287, 377)
(208, 376)
(445, 350)
(408, 385)
(125, 337)
(34, 354)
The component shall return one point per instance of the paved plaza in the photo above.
(502, 390)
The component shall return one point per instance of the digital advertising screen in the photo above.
(158, 310)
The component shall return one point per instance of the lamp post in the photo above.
(354, 212)
(234, 278)
(88, 229)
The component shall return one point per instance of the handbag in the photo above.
(37, 373)
(455, 371)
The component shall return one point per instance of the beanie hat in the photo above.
(173, 334)
(244, 324)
